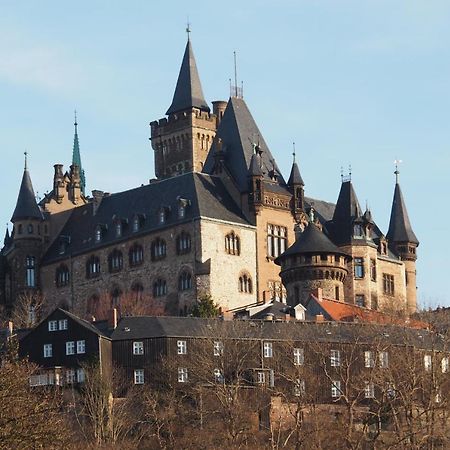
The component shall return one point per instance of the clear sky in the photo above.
(350, 81)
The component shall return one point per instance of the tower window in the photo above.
(232, 244)
(30, 229)
(185, 281)
(62, 276)
(115, 261)
(360, 300)
(183, 243)
(19, 229)
(373, 269)
(137, 291)
(278, 293)
(158, 249)
(388, 284)
(276, 240)
(31, 271)
(159, 288)
(245, 284)
(136, 255)
(358, 265)
(93, 267)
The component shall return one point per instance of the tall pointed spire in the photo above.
(26, 206)
(76, 157)
(295, 178)
(188, 92)
(400, 229)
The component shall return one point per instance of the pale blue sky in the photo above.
(356, 81)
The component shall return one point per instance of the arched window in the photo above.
(92, 304)
(62, 276)
(31, 271)
(136, 255)
(19, 229)
(159, 288)
(30, 228)
(137, 291)
(116, 294)
(183, 243)
(158, 249)
(98, 234)
(93, 267)
(232, 244)
(245, 284)
(115, 261)
(185, 281)
(136, 224)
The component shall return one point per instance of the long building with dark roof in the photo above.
(216, 221)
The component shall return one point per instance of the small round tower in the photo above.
(312, 262)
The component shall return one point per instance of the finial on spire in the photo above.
(350, 172)
(342, 174)
(397, 162)
(293, 152)
(75, 123)
(26, 160)
(188, 29)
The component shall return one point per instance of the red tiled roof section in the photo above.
(345, 312)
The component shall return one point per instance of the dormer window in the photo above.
(118, 229)
(136, 224)
(183, 203)
(358, 231)
(162, 216)
(98, 234)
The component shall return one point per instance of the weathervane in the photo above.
(188, 28)
(397, 162)
(26, 159)
(293, 151)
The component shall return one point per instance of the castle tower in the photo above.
(403, 242)
(182, 140)
(76, 158)
(296, 187)
(312, 262)
(256, 176)
(27, 239)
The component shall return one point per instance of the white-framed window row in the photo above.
(369, 389)
(427, 363)
(369, 359)
(299, 356)
(62, 324)
(261, 377)
(70, 376)
(181, 347)
(48, 350)
(445, 364)
(55, 325)
(81, 376)
(182, 375)
(70, 347)
(80, 347)
(268, 350)
(138, 348)
(383, 359)
(218, 348)
(336, 389)
(139, 376)
(335, 358)
(299, 388)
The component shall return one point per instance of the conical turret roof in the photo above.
(400, 229)
(312, 240)
(295, 177)
(188, 92)
(255, 166)
(26, 206)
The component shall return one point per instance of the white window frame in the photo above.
(383, 359)
(48, 350)
(369, 359)
(335, 358)
(63, 324)
(139, 376)
(268, 350)
(70, 376)
(261, 377)
(52, 325)
(299, 356)
(445, 364)
(182, 375)
(369, 389)
(218, 376)
(138, 348)
(81, 347)
(427, 362)
(336, 391)
(81, 376)
(218, 348)
(181, 347)
(70, 348)
(299, 388)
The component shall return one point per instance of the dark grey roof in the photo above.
(323, 210)
(255, 166)
(295, 177)
(145, 327)
(312, 240)
(188, 92)
(400, 229)
(26, 206)
(239, 134)
(84, 323)
(277, 310)
(207, 196)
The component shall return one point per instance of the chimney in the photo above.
(58, 182)
(219, 107)
(112, 319)
(320, 318)
(97, 199)
(227, 315)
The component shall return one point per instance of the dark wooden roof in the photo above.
(26, 206)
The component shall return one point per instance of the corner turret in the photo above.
(296, 187)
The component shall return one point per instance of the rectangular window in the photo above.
(261, 377)
(360, 300)
(81, 346)
(48, 350)
(218, 377)
(31, 271)
(388, 284)
(427, 362)
(181, 347)
(138, 348)
(335, 358)
(70, 348)
(268, 350)
(444, 364)
(299, 388)
(358, 264)
(218, 348)
(373, 269)
(369, 359)
(52, 325)
(182, 375)
(299, 357)
(70, 376)
(383, 359)
(63, 324)
(369, 389)
(276, 240)
(81, 377)
(139, 376)
(336, 389)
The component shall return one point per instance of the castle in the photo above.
(217, 221)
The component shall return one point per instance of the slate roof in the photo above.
(400, 229)
(84, 323)
(207, 196)
(312, 240)
(146, 327)
(239, 135)
(295, 177)
(26, 206)
(188, 91)
(323, 210)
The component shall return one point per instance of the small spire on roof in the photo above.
(188, 29)
(397, 162)
(26, 160)
(349, 172)
(293, 151)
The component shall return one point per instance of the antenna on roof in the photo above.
(236, 91)
(397, 162)
(235, 73)
(293, 152)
